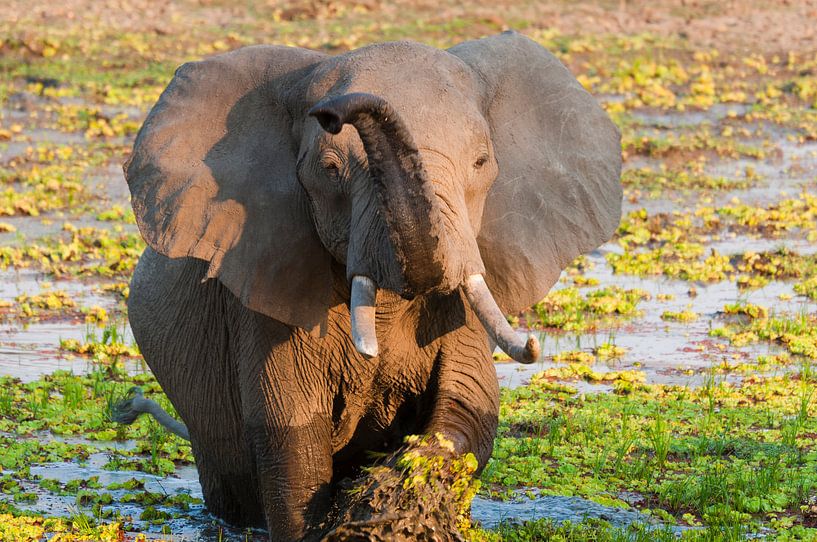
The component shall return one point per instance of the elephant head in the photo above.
(485, 168)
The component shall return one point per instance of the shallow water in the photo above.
(197, 525)
(665, 351)
(673, 119)
(29, 350)
(491, 513)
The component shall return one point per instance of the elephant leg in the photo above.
(288, 425)
(466, 409)
(179, 325)
(464, 413)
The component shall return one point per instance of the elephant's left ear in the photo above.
(558, 192)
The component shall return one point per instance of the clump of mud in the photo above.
(422, 493)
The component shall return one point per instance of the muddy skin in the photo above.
(348, 417)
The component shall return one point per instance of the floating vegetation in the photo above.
(807, 288)
(105, 348)
(680, 316)
(658, 182)
(683, 261)
(797, 333)
(689, 145)
(47, 304)
(85, 251)
(571, 310)
(675, 244)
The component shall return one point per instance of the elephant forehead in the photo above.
(433, 91)
(406, 74)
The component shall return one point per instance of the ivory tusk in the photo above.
(362, 309)
(495, 323)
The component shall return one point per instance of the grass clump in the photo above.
(33, 528)
(684, 316)
(797, 333)
(807, 288)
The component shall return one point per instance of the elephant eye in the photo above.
(481, 161)
(332, 169)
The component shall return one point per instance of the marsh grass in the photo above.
(796, 332)
(704, 455)
(660, 439)
(570, 309)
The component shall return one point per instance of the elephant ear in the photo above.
(558, 192)
(213, 176)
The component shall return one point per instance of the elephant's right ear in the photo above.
(557, 194)
(213, 176)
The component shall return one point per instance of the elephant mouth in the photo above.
(362, 307)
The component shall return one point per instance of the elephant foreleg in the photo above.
(288, 426)
(423, 491)
(467, 406)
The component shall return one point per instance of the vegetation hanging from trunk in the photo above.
(420, 493)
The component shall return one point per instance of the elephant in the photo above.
(333, 242)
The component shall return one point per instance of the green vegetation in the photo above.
(733, 458)
(571, 310)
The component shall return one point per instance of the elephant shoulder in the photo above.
(158, 279)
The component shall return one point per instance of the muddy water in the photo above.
(667, 352)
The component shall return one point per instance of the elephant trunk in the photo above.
(400, 180)
(495, 323)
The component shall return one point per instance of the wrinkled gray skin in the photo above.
(266, 179)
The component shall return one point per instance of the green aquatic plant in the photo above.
(681, 316)
(107, 347)
(807, 288)
(797, 333)
(571, 310)
(706, 452)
